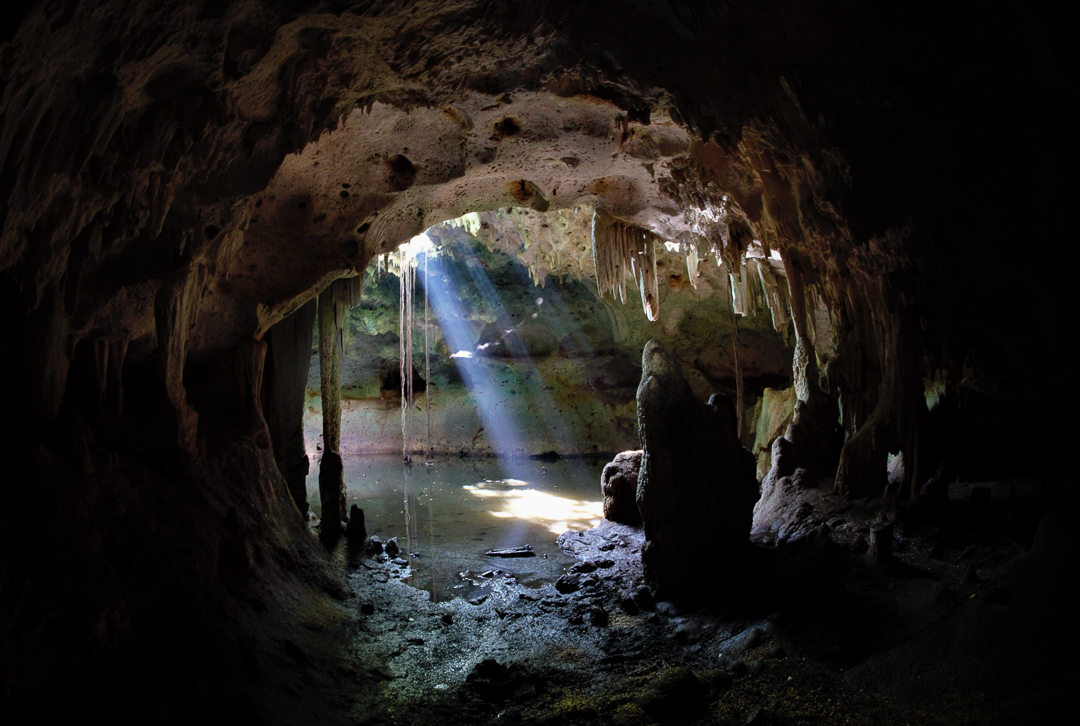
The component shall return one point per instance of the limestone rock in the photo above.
(696, 489)
(618, 483)
(777, 409)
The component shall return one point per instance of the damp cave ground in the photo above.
(940, 632)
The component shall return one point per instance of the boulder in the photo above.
(696, 488)
(618, 484)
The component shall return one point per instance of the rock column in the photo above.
(696, 489)
(331, 472)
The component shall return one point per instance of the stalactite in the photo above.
(739, 294)
(401, 352)
(620, 251)
(405, 345)
(736, 349)
(775, 296)
(427, 358)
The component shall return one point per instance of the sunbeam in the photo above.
(452, 281)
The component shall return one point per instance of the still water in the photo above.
(448, 514)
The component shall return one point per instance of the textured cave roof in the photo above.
(155, 159)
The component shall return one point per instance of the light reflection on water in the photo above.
(446, 516)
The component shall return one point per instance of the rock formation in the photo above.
(696, 489)
(618, 484)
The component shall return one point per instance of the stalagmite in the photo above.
(622, 250)
(334, 303)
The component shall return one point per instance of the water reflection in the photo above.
(448, 515)
(557, 513)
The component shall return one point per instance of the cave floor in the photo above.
(956, 627)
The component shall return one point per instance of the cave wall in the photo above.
(176, 179)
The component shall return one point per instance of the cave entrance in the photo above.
(523, 387)
(518, 398)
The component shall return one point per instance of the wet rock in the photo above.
(355, 531)
(391, 547)
(696, 489)
(598, 616)
(720, 680)
(687, 633)
(618, 484)
(677, 696)
(583, 567)
(629, 606)
(523, 551)
(744, 642)
(375, 545)
(493, 681)
(567, 584)
(643, 597)
(859, 545)
(881, 542)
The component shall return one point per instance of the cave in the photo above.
(790, 274)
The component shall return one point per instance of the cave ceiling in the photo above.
(180, 177)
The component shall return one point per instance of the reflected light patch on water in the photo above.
(449, 515)
(556, 513)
